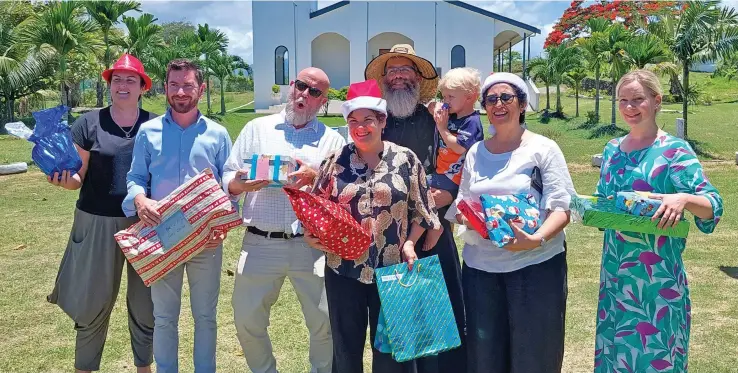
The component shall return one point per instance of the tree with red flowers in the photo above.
(572, 23)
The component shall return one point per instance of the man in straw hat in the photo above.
(408, 82)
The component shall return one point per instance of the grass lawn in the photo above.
(35, 221)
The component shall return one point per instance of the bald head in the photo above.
(315, 77)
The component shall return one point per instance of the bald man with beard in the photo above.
(273, 246)
(408, 82)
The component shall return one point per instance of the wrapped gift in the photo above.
(521, 210)
(421, 321)
(337, 230)
(275, 168)
(54, 151)
(604, 213)
(637, 203)
(472, 211)
(190, 216)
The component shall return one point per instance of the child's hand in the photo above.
(431, 238)
(408, 252)
(440, 115)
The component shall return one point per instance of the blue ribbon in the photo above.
(254, 162)
(277, 163)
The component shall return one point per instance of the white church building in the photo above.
(343, 37)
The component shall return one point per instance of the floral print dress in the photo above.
(644, 310)
(385, 200)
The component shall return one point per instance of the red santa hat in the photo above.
(364, 95)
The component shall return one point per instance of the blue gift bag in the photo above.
(416, 318)
(54, 150)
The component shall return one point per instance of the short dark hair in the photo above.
(186, 65)
(522, 97)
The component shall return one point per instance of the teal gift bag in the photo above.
(415, 318)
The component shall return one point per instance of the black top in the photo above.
(111, 153)
(415, 132)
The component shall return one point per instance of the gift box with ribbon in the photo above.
(190, 216)
(337, 230)
(605, 213)
(274, 168)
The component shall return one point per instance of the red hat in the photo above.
(130, 63)
(364, 95)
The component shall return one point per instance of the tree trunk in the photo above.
(107, 65)
(548, 98)
(11, 110)
(222, 97)
(597, 93)
(675, 88)
(207, 80)
(612, 117)
(100, 91)
(576, 97)
(685, 101)
(559, 108)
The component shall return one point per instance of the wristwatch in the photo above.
(543, 240)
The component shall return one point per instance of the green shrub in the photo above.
(275, 88)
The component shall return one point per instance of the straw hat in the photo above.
(130, 63)
(428, 83)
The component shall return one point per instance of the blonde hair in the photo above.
(466, 79)
(646, 78)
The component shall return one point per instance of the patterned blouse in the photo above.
(385, 200)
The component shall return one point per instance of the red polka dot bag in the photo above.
(337, 230)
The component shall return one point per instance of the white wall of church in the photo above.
(434, 28)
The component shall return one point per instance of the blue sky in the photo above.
(234, 17)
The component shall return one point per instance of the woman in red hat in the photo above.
(90, 272)
(383, 186)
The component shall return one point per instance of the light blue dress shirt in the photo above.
(166, 156)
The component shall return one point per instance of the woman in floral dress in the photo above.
(383, 186)
(643, 315)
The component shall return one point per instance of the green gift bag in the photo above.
(416, 318)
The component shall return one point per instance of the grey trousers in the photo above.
(87, 286)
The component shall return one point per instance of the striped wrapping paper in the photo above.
(189, 217)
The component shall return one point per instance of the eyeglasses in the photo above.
(506, 98)
(400, 70)
(301, 86)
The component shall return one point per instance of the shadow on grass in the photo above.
(730, 271)
(586, 126)
(607, 130)
(244, 111)
(700, 149)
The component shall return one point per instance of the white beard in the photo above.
(298, 118)
(402, 102)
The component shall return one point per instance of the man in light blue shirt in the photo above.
(169, 150)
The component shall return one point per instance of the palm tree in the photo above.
(212, 41)
(617, 39)
(542, 68)
(222, 66)
(21, 69)
(565, 58)
(575, 77)
(143, 35)
(645, 50)
(594, 47)
(106, 14)
(701, 32)
(61, 27)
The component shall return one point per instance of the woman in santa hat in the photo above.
(90, 272)
(383, 186)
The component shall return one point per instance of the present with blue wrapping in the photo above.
(626, 211)
(521, 210)
(416, 318)
(274, 168)
(54, 151)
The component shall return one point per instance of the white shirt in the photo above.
(510, 173)
(269, 209)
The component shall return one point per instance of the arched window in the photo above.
(281, 66)
(458, 57)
